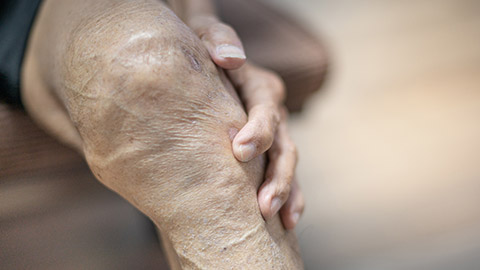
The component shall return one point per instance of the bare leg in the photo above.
(131, 88)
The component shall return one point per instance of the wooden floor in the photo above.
(55, 215)
(390, 150)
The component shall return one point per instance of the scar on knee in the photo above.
(192, 59)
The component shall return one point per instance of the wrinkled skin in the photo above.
(134, 90)
(263, 94)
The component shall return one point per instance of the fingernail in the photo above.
(295, 217)
(230, 51)
(276, 204)
(246, 151)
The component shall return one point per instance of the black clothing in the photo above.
(16, 19)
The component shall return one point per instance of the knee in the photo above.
(148, 68)
(149, 104)
(124, 47)
(142, 94)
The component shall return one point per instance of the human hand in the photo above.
(262, 93)
(220, 39)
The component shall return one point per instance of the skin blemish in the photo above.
(192, 59)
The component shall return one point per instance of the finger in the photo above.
(222, 42)
(262, 93)
(293, 207)
(275, 191)
(256, 137)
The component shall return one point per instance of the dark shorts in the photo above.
(16, 18)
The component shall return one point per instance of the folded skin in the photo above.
(133, 89)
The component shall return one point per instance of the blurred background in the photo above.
(389, 150)
(389, 154)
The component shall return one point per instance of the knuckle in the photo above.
(215, 31)
(291, 149)
(201, 24)
(276, 85)
(271, 114)
(276, 115)
(265, 139)
(284, 191)
(222, 27)
(264, 123)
